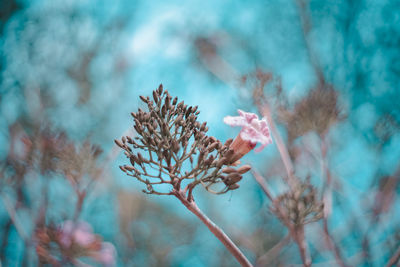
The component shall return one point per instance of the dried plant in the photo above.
(178, 153)
(298, 206)
(69, 243)
(316, 112)
(177, 150)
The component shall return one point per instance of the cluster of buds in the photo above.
(70, 243)
(300, 205)
(176, 148)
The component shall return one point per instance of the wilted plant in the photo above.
(177, 152)
(68, 243)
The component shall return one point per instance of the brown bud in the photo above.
(118, 143)
(140, 158)
(212, 147)
(132, 160)
(122, 168)
(160, 89)
(129, 168)
(234, 177)
(144, 99)
(208, 161)
(221, 162)
(228, 170)
(203, 126)
(178, 119)
(233, 187)
(155, 96)
(228, 142)
(133, 114)
(174, 101)
(194, 109)
(244, 169)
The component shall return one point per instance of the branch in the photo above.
(218, 232)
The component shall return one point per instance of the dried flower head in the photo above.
(253, 131)
(176, 149)
(316, 112)
(300, 205)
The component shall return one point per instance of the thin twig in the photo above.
(14, 217)
(271, 254)
(394, 259)
(328, 190)
(261, 181)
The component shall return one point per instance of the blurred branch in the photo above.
(394, 259)
(271, 254)
(14, 217)
(218, 232)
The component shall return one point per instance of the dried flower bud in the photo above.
(155, 96)
(160, 89)
(229, 170)
(244, 169)
(234, 177)
(144, 99)
(233, 187)
(118, 143)
(129, 168)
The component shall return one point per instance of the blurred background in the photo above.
(72, 71)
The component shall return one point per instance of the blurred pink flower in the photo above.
(80, 233)
(106, 255)
(253, 131)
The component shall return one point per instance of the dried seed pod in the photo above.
(228, 170)
(244, 169)
(208, 161)
(233, 187)
(160, 89)
(144, 99)
(140, 159)
(129, 168)
(203, 126)
(178, 119)
(212, 147)
(167, 102)
(155, 96)
(221, 162)
(234, 177)
(194, 109)
(174, 101)
(228, 142)
(122, 168)
(133, 114)
(119, 143)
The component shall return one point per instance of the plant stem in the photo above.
(218, 232)
(301, 242)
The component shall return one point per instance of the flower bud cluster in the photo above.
(174, 146)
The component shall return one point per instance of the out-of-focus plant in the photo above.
(70, 242)
(179, 155)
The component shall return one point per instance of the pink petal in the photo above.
(235, 121)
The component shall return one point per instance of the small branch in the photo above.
(271, 254)
(283, 152)
(301, 243)
(14, 217)
(218, 232)
(261, 181)
(394, 259)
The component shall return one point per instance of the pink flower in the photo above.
(253, 131)
(106, 255)
(80, 232)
